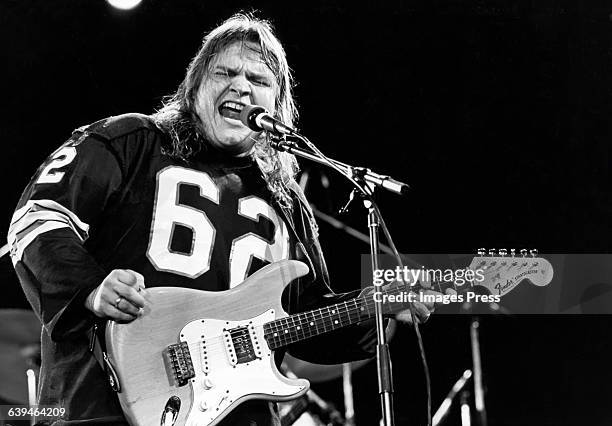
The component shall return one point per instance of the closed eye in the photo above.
(260, 81)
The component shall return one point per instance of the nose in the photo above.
(240, 85)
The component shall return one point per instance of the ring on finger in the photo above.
(117, 301)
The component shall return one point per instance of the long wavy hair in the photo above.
(178, 117)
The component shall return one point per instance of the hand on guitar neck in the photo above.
(422, 310)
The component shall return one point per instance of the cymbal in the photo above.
(317, 373)
(19, 327)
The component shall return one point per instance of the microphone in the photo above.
(257, 118)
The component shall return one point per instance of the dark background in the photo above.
(495, 112)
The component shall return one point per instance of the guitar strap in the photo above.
(97, 347)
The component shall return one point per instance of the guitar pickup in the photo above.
(242, 345)
(179, 361)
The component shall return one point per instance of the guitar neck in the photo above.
(298, 327)
(498, 275)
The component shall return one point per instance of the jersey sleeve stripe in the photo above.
(38, 217)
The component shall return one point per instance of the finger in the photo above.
(429, 304)
(404, 316)
(119, 315)
(125, 276)
(130, 294)
(140, 281)
(112, 297)
(130, 278)
(425, 283)
(421, 311)
(125, 306)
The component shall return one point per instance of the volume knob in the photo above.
(207, 384)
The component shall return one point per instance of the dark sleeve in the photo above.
(56, 214)
(351, 343)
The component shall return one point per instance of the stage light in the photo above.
(124, 4)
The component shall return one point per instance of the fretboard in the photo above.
(295, 328)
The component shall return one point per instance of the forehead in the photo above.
(240, 54)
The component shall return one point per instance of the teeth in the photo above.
(232, 105)
(230, 109)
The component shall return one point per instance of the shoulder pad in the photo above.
(117, 126)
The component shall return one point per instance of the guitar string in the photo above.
(276, 327)
(288, 332)
(280, 334)
(323, 318)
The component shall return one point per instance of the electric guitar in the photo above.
(193, 356)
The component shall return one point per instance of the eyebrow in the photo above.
(249, 73)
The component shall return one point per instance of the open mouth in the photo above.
(231, 109)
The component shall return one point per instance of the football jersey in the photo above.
(109, 199)
(206, 224)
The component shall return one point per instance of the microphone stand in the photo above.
(373, 179)
(477, 366)
(366, 179)
(383, 357)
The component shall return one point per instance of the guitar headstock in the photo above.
(501, 273)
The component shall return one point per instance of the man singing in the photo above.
(187, 197)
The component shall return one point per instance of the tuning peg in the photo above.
(533, 252)
(512, 252)
(503, 252)
(492, 252)
(481, 251)
(524, 252)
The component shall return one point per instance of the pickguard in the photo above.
(232, 362)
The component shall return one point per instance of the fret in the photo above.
(358, 309)
(336, 322)
(284, 330)
(273, 334)
(333, 314)
(292, 328)
(367, 303)
(325, 318)
(301, 326)
(362, 309)
(312, 322)
(321, 320)
(347, 312)
(307, 330)
(342, 316)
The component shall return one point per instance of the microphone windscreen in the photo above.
(248, 115)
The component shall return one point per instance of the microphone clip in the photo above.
(280, 143)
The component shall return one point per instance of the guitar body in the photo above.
(227, 362)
